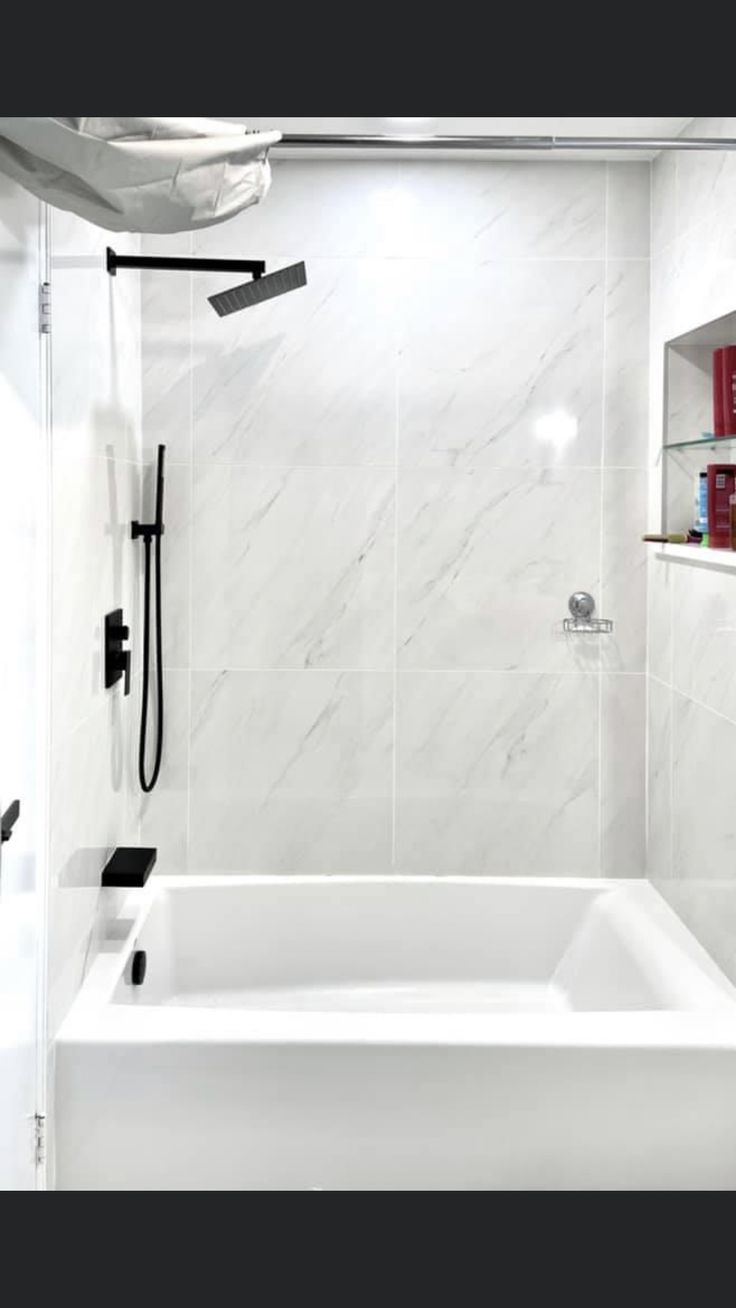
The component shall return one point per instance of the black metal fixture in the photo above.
(117, 659)
(138, 967)
(256, 267)
(8, 820)
(129, 869)
(148, 532)
(261, 288)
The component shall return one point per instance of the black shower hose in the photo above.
(147, 784)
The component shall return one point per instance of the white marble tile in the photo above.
(659, 781)
(497, 210)
(487, 563)
(664, 200)
(96, 358)
(167, 245)
(627, 364)
(694, 280)
(501, 364)
(416, 209)
(623, 596)
(73, 237)
(164, 814)
(91, 813)
(293, 569)
(704, 636)
(703, 884)
(689, 392)
(94, 570)
(329, 209)
(166, 376)
(656, 437)
(497, 774)
(660, 587)
(623, 776)
(291, 772)
(308, 378)
(628, 210)
(706, 181)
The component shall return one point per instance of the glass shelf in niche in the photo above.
(706, 442)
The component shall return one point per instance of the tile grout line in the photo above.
(395, 690)
(647, 649)
(387, 671)
(136, 558)
(698, 703)
(602, 503)
(190, 561)
(431, 259)
(470, 469)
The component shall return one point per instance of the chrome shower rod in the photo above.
(406, 141)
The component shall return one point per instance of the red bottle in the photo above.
(728, 367)
(719, 393)
(721, 486)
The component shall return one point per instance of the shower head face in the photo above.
(259, 290)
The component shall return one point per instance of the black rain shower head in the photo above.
(259, 290)
(239, 297)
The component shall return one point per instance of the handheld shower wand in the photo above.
(152, 533)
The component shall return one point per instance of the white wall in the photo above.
(692, 610)
(382, 491)
(96, 458)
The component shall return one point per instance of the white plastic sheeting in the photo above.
(139, 174)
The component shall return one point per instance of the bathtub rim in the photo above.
(95, 1019)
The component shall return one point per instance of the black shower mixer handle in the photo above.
(117, 659)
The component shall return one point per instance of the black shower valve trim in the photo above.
(117, 659)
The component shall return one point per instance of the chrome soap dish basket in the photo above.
(583, 620)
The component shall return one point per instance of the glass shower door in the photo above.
(23, 698)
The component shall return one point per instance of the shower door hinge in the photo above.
(39, 1138)
(44, 308)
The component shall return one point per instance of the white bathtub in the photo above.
(396, 1034)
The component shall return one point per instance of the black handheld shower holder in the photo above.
(151, 534)
(147, 530)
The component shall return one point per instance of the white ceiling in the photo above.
(667, 127)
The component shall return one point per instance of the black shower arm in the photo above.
(256, 267)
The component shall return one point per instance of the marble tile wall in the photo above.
(96, 492)
(692, 608)
(382, 491)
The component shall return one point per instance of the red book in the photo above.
(721, 486)
(719, 393)
(728, 366)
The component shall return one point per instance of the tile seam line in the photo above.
(409, 671)
(692, 699)
(602, 501)
(467, 470)
(431, 259)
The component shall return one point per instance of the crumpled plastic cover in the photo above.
(139, 174)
